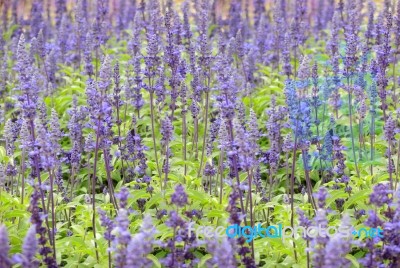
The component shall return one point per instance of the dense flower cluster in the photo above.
(124, 122)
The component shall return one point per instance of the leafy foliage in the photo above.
(125, 123)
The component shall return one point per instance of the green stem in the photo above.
(153, 133)
(22, 168)
(292, 188)
(204, 134)
(372, 139)
(308, 180)
(109, 179)
(184, 134)
(166, 167)
(221, 156)
(251, 211)
(53, 214)
(352, 135)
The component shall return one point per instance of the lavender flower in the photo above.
(5, 247)
(87, 54)
(338, 156)
(246, 148)
(380, 195)
(276, 115)
(105, 75)
(391, 238)
(303, 220)
(223, 253)
(370, 33)
(123, 197)
(223, 138)
(179, 197)
(327, 147)
(122, 237)
(138, 101)
(37, 221)
(28, 80)
(390, 130)
(213, 133)
(141, 245)
(48, 149)
(337, 248)
(166, 131)
(209, 170)
(373, 220)
(36, 21)
(319, 243)
(10, 134)
(29, 248)
(175, 220)
(108, 224)
(287, 67)
(321, 196)
(2, 176)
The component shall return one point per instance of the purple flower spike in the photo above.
(179, 197)
(4, 247)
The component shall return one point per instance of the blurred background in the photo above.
(19, 10)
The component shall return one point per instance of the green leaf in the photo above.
(217, 213)
(358, 196)
(196, 195)
(154, 259)
(353, 260)
(15, 213)
(336, 194)
(204, 259)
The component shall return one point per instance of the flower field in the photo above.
(141, 133)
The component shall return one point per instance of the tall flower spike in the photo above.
(87, 54)
(29, 249)
(4, 247)
(141, 245)
(2, 176)
(105, 75)
(381, 195)
(318, 243)
(117, 101)
(55, 128)
(246, 148)
(321, 196)
(10, 136)
(304, 72)
(390, 129)
(369, 33)
(166, 131)
(28, 80)
(36, 18)
(137, 99)
(179, 197)
(215, 124)
(134, 44)
(89, 145)
(122, 237)
(108, 224)
(287, 67)
(338, 156)
(23, 62)
(47, 149)
(337, 248)
(24, 135)
(223, 137)
(259, 10)
(223, 253)
(37, 221)
(123, 197)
